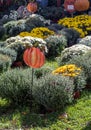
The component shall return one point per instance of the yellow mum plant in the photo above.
(24, 34)
(40, 32)
(68, 70)
(81, 23)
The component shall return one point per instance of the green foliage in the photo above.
(55, 27)
(19, 50)
(15, 85)
(19, 44)
(2, 32)
(5, 63)
(9, 52)
(85, 63)
(85, 41)
(53, 92)
(70, 52)
(75, 73)
(14, 27)
(71, 35)
(79, 81)
(55, 45)
(35, 21)
(2, 43)
(42, 71)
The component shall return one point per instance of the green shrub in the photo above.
(15, 85)
(55, 27)
(5, 63)
(85, 63)
(70, 52)
(14, 27)
(42, 71)
(2, 43)
(9, 52)
(85, 41)
(53, 91)
(75, 73)
(71, 35)
(79, 82)
(2, 32)
(55, 45)
(19, 44)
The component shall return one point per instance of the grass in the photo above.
(79, 117)
(51, 63)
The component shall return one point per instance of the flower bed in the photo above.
(41, 32)
(81, 23)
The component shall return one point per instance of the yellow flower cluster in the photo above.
(81, 23)
(24, 34)
(68, 70)
(40, 32)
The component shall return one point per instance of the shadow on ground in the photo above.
(24, 118)
(88, 126)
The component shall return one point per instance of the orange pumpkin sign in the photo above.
(69, 5)
(32, 7)
(33, 57)
(81, 5)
